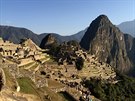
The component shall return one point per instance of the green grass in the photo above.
(27, 86)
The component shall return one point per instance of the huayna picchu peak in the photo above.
(107, 42)
(101, 20)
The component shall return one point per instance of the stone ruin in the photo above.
(23, 50)
(7, 48)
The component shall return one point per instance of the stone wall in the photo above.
(26, 61)
(7, 48)
(39, 56)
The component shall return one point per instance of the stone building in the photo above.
(7, 48)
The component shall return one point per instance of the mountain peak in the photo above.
(102, 16)
(50, 36)
(96, 27)
(107, 42)
(101, 20)
(48, 40)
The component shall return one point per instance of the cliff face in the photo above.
(107, 42)
(130, 47)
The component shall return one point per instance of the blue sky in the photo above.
(65, 17)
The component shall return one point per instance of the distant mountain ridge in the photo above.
(128, 27)
(78, 36)
(15, 34)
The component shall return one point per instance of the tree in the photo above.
(79, 63)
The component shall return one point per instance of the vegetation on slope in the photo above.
(27, 86)
(66, 53)
(44, 93)
(79, 63)
(124, 90)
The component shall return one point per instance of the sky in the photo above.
(64, 17)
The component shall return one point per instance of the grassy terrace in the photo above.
(26, 65)
(42, 59)
(55, 84)
(10, 81)
(45, 57)
(33, 67)
(27, 86)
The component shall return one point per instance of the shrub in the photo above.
(79, 63)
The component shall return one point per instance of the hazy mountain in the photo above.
(107, 42)
(78, 36)
(59, 38)
(128, 27)
(14, 34)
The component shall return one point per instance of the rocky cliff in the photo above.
(130, 47)
(107, 42)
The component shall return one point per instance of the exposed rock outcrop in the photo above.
(130, 47)
(107, 42)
